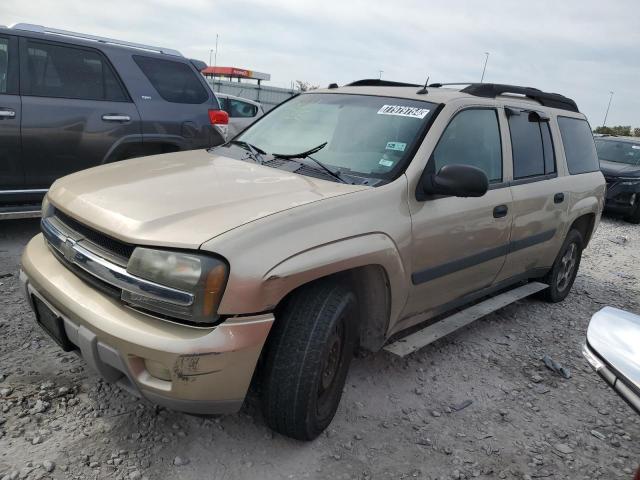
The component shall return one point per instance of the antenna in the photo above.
(423, 90)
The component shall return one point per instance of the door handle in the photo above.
(116, 118)
(558, 198)
(500, 211)
(7, 113)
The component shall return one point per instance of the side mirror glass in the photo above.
(457, 181)
(613, 350)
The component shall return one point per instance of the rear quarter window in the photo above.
(579, 147)
(175, 82)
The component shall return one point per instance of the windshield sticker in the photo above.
(386, 163)
(403, 111)
(635, 147)
(396, 146)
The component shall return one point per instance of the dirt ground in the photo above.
(398, 419)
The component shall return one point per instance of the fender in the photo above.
(317, 262)
(590, 205)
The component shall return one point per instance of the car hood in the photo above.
(615, 169)
(183, 199)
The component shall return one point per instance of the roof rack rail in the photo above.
(492, 90)
(29, 27)
(375, 82)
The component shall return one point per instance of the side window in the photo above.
(531, 144)
(174, 81)
(472, 138)
(579, 147)
(67, 72)
(4, 65)
(224, 104)
(241, 109)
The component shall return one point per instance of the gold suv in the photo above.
(337, 220)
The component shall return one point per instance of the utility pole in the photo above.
(606, 114)
(215, 58)
(210, 53)
(380, 72)
(486, 59)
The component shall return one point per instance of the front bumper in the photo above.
(609, 376)
(210, 369)
(622, 197)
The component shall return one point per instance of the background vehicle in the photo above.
(69, 101)
(613, 350)
(342, 218)
(620, 164)
(242, 112)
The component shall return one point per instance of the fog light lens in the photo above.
(157, 370)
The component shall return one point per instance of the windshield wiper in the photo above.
(254, 152)
(307, 154)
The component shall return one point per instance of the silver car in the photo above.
(242, 112)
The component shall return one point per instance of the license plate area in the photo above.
(52, 324)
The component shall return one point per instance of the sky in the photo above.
(582, 49)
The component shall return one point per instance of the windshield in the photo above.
(365, 135)
(618, 151)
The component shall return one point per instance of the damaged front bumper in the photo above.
(197, 370)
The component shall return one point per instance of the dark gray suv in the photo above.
(69, 101)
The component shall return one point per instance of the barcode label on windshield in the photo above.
(402, 111)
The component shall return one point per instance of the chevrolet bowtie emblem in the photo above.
(68, 250)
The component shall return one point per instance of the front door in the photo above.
(11, 175)
(459, 244)
(74, 110)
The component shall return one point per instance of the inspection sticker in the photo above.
(397, 146)
(386, 163)
(402, 111)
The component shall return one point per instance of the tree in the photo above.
(305, 86)
(620, 130)
(636, 132)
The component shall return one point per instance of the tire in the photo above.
(634, 216)
(308, 355)
(565, 269)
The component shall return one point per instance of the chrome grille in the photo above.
(99, 243)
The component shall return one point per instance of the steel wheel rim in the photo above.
(331, 365)
(567, 266)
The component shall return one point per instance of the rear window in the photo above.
(531, 144)
(174, 81)
(59, 71)
(579, 147)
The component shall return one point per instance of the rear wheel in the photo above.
(565, 268)
(307, 359)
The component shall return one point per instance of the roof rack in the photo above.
(375, 82)
(29, 27)
(492, 90)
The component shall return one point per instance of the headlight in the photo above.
(630, 180)
(202, 276)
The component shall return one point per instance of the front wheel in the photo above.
(307, 359)
(565, 268)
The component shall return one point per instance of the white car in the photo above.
(242, 112)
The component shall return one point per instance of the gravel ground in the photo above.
(478, 404)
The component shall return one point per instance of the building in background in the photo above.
(247, 84)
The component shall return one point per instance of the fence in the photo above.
(269, 97)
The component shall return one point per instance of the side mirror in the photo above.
(613, 350)
(457, 181)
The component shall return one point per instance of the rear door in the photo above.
(75, 110)
(540, 196)
(11, 175)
